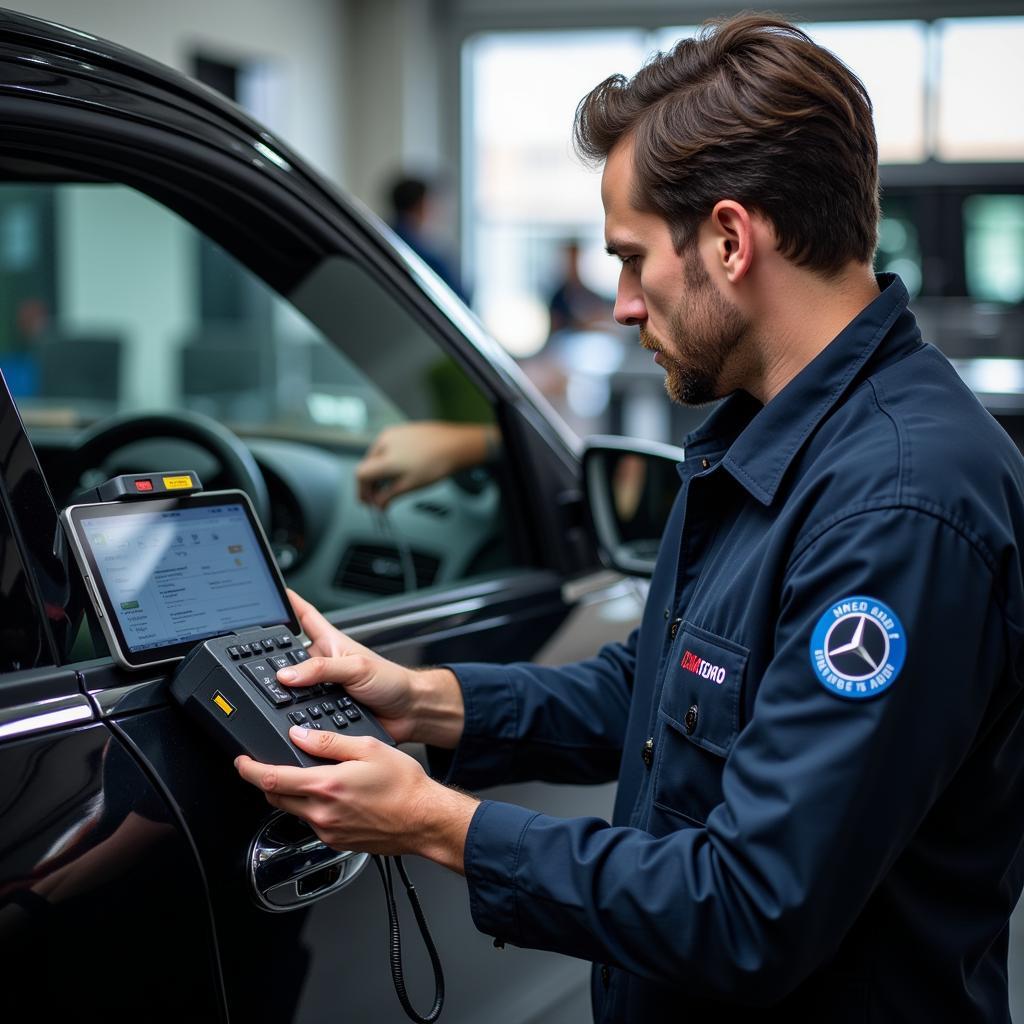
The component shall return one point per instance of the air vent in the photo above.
(377, 569)
(432, 508)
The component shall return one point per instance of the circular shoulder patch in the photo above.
(858, 648)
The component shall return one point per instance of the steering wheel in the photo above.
(236, 461)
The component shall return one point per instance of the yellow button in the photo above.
(222, 702)
(178, 483)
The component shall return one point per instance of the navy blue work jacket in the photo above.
(818, 729)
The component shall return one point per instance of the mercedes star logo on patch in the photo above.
(858, 647)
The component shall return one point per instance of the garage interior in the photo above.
(476, 97)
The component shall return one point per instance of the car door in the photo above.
(161, 192)
(100, 888)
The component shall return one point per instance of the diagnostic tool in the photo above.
(192, 576)
(175, 573)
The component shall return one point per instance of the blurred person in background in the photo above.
(413, 209)
(573, 306)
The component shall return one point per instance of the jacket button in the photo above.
(674, 628)
(647, 754)
(605, 975)
(704, 463)
(690, 721)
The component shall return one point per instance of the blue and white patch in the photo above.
(858, 648)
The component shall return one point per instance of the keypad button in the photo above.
(315, 725)
(345, 702)
(352, 714)
(279, 661)
(267, 645)
(303, 692)
(245, 650)
(234, 653)
(340, 721)
(313, 711)
(275, 694)
(298, 655)
(328, 707)
(260, 673)
(284, 640)
(298, 717)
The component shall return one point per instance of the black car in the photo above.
(180, 291)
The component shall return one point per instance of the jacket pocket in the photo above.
(698, 722)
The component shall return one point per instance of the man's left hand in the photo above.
(376, 800)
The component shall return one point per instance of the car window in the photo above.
(115, 304)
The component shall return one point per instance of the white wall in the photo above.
(307, 39)
(394, 89)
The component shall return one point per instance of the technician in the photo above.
(818, 730)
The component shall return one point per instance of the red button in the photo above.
(143, 485)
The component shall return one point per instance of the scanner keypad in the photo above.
(262, 674)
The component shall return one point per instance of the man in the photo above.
(412, 209)
(819, 728)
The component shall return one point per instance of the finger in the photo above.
(365, 492)
(333, 746)
(313, 624)
(401, 485)
(382, 492)
(373, 467)
(345, 669)
(298, 602)
(297, 805)
(282, 780)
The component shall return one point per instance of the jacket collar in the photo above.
(762, 441)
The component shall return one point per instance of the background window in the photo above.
(994, 247)
(979, 89)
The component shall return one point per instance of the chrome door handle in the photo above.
(289, 867)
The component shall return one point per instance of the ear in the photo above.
(733, 232)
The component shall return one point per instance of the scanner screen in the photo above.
(183, 575)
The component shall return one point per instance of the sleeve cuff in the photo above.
(486, 750)
(493, 842)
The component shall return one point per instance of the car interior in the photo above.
(142, 344)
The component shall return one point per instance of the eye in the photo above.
(632, 262)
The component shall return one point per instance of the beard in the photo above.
(704, 333)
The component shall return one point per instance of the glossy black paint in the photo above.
(83, 832)
(39, 607)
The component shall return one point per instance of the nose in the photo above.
(630, 308)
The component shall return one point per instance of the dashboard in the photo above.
(333, 549)
(338, 552)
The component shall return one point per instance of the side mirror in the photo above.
(630, 487)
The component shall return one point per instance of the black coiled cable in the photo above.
(397, 974)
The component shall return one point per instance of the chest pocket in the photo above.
(698, 719)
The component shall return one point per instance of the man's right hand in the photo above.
(424, 706)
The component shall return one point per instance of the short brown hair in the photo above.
(752, 110)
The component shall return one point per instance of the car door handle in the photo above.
(289, 867)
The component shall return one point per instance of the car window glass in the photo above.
(115, 304)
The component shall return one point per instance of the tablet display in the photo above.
(168, 573)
